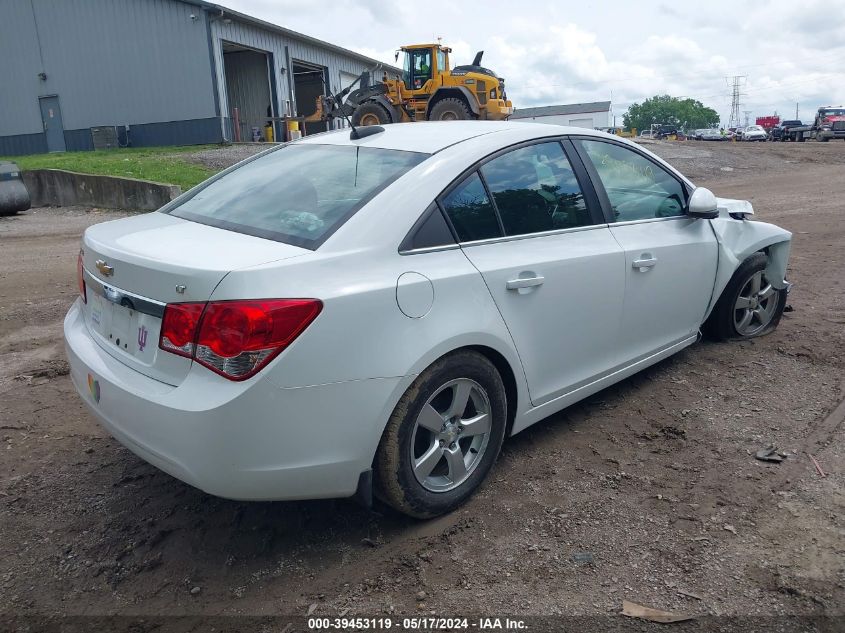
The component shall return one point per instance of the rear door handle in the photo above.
(525, 282)
(645, 262)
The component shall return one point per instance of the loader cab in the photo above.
(423, 63)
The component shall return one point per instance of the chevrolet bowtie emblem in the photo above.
(104, 268)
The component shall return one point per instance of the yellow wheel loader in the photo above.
(428, 90)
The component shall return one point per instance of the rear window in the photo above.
(298, 194)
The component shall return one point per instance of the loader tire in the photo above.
(449, 110)
(370, 114)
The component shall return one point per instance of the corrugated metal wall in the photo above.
(111, 62)
(156, 65)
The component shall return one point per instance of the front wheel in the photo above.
(370, 113)
(443, 437)
(449, 110)
(749, 306)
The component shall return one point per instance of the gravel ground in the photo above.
(647, 491)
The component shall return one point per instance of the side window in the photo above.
(441, 61)
(638, 189)
(470, 210)
(536, 190)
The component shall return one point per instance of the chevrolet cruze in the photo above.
(378, 311)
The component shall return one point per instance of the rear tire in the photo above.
(370, 113)
(450, 110)
(443, 437)
(749, 307)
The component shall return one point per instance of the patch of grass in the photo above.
(159, 164)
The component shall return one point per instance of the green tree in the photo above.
(687, 114)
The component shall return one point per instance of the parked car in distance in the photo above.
(404, 299)
(712, 135)
(645, 134)
(755, 133)
(737, 133)
(780, 132)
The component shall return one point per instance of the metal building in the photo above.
(77, 73)
(589, 115)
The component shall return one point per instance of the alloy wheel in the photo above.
(755, 305)
(450, 435)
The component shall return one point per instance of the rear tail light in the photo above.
(179, 328)
(235, 339)
(80, 276)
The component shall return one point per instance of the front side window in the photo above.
(536, 190)
(637, 188)
(299, 194)
(441, 61)
(470, 211)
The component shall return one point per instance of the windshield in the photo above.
(833, 112)
(298, 194)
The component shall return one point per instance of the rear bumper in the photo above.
(250, 440)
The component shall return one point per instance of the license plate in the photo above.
(129, 331)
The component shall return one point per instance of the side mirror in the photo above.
(702, 204)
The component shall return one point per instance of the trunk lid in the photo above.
(135, 266)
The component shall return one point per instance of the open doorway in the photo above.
(249, 89)
(308, 84)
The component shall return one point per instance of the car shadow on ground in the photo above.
(150, 517)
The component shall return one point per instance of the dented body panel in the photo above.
(739, 238)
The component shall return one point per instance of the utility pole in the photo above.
(796, 110)
(736, 83)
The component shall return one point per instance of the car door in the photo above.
(670, 257)
(551, 264)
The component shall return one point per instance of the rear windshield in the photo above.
(298, 194)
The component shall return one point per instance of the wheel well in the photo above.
(504, 368)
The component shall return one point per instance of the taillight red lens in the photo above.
(80, 277)
(179, 327)
(236, 339)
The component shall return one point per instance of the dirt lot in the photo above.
(648, 491)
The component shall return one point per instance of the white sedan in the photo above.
(344, 315)
(755, 133)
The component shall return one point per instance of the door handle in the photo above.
(525, 282)
(645, 262)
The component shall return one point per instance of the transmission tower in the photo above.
(747, 114)
(736, 83)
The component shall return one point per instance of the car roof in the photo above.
(430, 137)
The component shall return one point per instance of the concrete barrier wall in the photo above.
(57, 187)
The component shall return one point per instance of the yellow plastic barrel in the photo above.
(268, 133)
(293, 130)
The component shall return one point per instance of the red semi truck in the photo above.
(829, 123)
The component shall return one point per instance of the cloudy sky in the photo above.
(790, 51)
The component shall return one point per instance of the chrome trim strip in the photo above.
(525, 236)
(647, 220)
(123, 297)
(430, 249)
